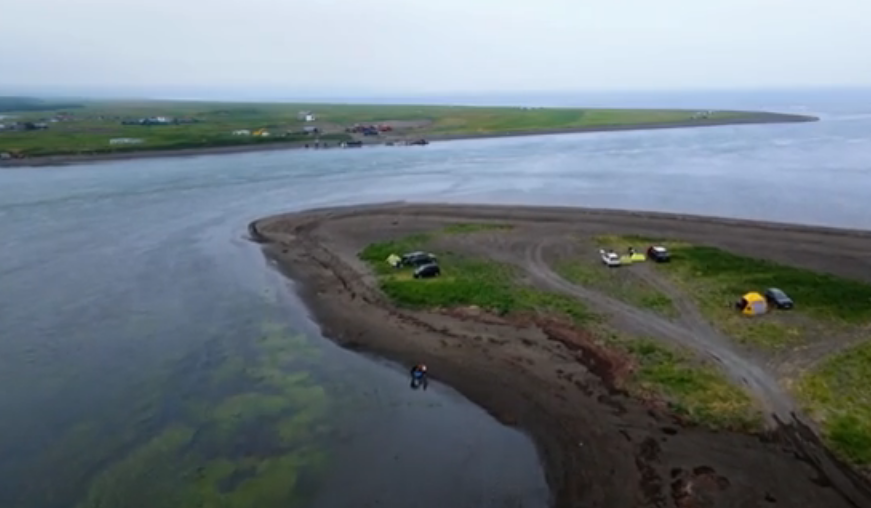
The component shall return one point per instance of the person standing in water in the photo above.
(419, 377)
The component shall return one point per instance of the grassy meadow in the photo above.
(87, 127)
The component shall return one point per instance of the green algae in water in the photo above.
(254, 435)
(150, 470)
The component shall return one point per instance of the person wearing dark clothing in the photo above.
(418, 376)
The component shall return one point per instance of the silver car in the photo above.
(610, 258)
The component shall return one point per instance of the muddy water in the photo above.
(149, 356)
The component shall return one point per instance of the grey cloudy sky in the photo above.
(434, 46)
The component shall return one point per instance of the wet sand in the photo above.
(600, 448)
(66, 160)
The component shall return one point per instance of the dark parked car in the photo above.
(658, 253)
(417, 259)
(427, 271)
(778, 298)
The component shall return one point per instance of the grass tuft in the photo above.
(699, 392)
(836, 393)
(715, 279)
(817, 294)
(464, 228)
(464, 281)
(618, 283)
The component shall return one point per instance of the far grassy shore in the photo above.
(42, 132)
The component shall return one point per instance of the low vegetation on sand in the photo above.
(836, 392)
(466, 281)
(87, 127)
(715, 279)
(616, 283)
(696, 391)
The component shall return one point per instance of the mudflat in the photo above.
(601, 444)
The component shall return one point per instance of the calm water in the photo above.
(149, 356)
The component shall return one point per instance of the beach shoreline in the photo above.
(761, 118)
(599, 447)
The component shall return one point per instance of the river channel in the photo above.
(150, 356)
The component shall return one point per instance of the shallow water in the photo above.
(149, 356)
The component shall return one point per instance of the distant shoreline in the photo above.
(66, 160)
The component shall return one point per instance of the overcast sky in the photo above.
(434, 46)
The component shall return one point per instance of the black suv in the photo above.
(417, 259)
(778, 298)
(658, 253)
(427, 271)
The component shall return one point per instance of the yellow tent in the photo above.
(753, 304)
(632, 258)
(394, 260)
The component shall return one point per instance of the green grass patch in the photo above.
(465, 228)
(622, 242)
(817, 294)
(472, 282)
(836, 394)
(618, 284)
(715, 279)
(698, 392)
(67, 142)
(464, 281)
(376, 253)
(92, 124)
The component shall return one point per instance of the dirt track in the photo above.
(595, 441)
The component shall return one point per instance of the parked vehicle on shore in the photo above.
(427, 271)
(658, 253)
(610, 258)
(778, 298)
(417, 258)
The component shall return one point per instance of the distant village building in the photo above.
(242, 132)
(156, 120)
(125, 141)
(310, 129)
(306, 116)
(5, 156)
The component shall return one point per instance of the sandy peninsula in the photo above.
(601, 445)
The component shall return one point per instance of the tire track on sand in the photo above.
(765, 388)
(689, 314)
